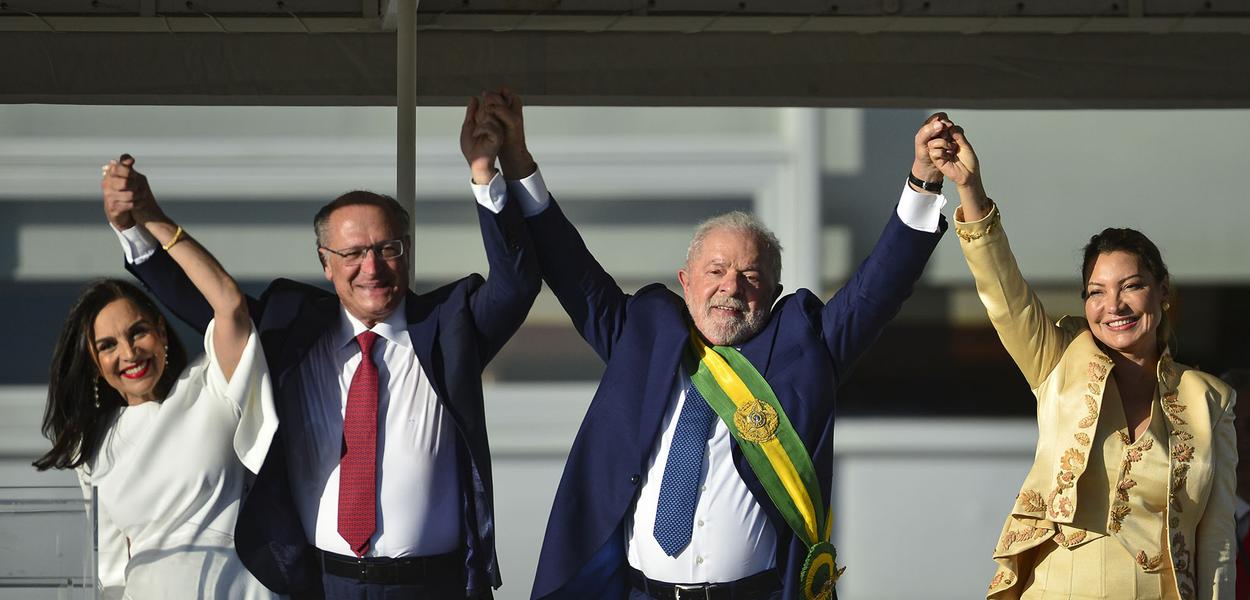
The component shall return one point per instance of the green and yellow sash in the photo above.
(749, 408)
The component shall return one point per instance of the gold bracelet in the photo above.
(173, 240)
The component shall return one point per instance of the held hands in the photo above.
(127, 198)
(948, 150)
(514, 157)
(494, 125)
(481, 137)
(937, 125)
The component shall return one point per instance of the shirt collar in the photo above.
(393, 329)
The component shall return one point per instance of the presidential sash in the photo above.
(746, 403)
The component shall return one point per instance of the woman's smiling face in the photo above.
(129, 349)
(1124, 304)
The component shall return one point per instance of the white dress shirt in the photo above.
(418, 489)
(731, 536)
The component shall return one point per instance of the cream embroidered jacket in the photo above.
(1068, 372)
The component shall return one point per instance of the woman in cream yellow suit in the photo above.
(1131, 492)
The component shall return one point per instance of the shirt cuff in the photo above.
(137, 244)
(531, 193)
(491, 196)
(920, 211)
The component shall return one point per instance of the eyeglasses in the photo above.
(387, 250)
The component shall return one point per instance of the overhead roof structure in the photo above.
(891, 53)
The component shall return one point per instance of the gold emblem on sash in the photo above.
(756, 421)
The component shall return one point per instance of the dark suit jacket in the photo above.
(455, 330)
(803, 352)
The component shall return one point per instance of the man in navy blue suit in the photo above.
(703, 466)
(379, 483)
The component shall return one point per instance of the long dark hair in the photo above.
(1123, 239)
(73, 420)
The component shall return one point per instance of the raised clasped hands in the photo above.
(127, 198)
(496, 121)
(936, 126)
(481, 137)
(942, 145)
(953, 155)
(514, 158)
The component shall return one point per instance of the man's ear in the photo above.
(682, 278)
(325, 264)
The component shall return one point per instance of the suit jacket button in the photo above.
(634, 479)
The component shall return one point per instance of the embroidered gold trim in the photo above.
(973, 236)
(1081, 438)
(1182, 452)
(1091, 404)
(1182, 434)
(1011, 538)
(1118, 512)
(1180, 475)
(1149, 563)
(1120, 508)
(1072, 460)
(1031, 501)
(1069, 463)
(1121, 491)
(1067, 541)
(1097, 371)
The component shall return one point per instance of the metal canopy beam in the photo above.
(738, 68)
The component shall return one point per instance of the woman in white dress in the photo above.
(166, 444)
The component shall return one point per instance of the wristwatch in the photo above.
(928, 186)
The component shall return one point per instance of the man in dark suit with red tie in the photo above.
(378, 484)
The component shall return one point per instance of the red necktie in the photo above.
(357, 476)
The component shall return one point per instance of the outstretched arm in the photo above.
(1032, 339)
(125, 189)
(501, 304)
(592, 299)
(854, 318)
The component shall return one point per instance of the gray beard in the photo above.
(732, 332)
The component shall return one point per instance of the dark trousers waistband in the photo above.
(753, 587)
(437, 570)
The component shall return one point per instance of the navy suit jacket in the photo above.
(455, 330)
(804, 351)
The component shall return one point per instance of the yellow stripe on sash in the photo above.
(777, 457)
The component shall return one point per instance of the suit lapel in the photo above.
(759, 349)
(423, 332)
(667, 355)
(315, 317)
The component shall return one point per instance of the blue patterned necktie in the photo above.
(679, 490)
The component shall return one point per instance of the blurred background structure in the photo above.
(935, 430)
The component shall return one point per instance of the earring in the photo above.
(166, 362)
(95, 391)
(1167, 305)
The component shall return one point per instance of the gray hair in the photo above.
(770, 247)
